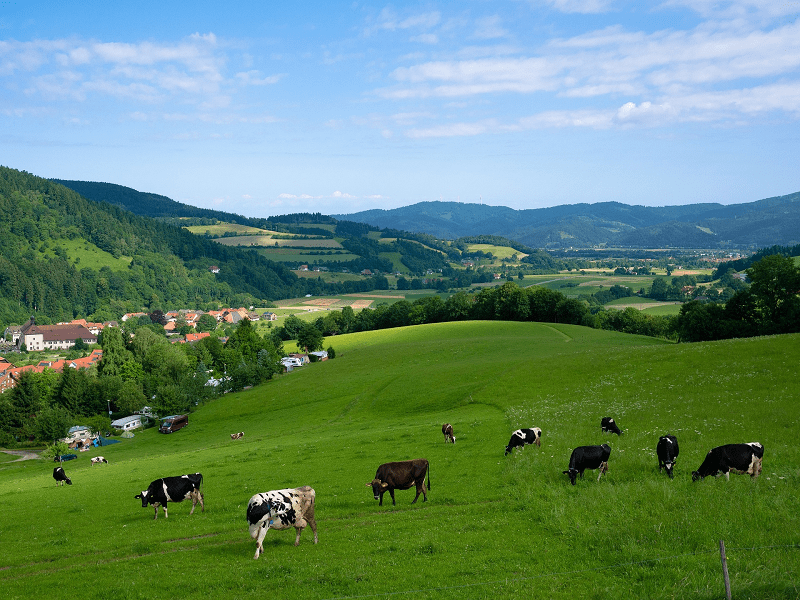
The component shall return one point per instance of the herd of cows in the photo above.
(739, 458)
(294, 507)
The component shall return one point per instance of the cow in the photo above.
(607, 425)
(401, 476)
(524, 436)
(61, 477)
(281, 509)
(237, 436)
(173, 489)
(447, 430)
(588, 457)
(739, 458)
(667, 452)
(98, 459)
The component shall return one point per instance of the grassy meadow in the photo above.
(494, 526)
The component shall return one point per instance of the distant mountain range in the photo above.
(751, 225)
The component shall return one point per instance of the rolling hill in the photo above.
(755, 224)
(493, 526)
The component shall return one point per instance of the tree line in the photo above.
(139, 367)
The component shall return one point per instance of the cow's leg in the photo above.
(391, 493)
(757, 468)
(299, 525)
(419, 489)
(381, 500)
(165, 510)
(603, 469)
(262, 532)
(156, 515)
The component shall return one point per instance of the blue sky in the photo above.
(265, 108)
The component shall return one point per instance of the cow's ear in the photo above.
(369, 484)
(384, 485)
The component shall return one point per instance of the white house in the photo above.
(127, 423)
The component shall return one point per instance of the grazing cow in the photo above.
(739, 458)
(588, 457)
(667, 452)
(607, 425)
(281, 509)
(173, 489)
(98, 459)
(447, 430)
(401, 476)
(524, 436)
(237, 436)
(61, 477)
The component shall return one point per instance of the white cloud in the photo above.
(254, 77)
(580, 6)
(487, 28)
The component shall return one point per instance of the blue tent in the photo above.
(106, 441)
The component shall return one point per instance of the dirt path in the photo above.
(23, 454)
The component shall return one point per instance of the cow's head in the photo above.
(143, 497)
(68, 480)
(378, 487)
(669, 465)
(573, 473)
(538, 440)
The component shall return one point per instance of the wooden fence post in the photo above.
(724, 560)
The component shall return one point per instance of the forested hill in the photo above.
(754, 224)
(64, 256)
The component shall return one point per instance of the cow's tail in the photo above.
(429, 477)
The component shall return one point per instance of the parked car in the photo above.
(64, 457)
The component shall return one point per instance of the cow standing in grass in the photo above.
(608, 425)
(97, 460)
(61, 477)
(281, 509)
(667, 452)
(744, 459)
(521, 437)
(173, 489)
(401, 476)
(588, 457)
(447, 430)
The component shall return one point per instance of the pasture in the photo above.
(493, 526)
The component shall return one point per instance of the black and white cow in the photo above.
(401, 476)
(588, 457)
(173, 489)
(447, 430)
(61, 477)
(237, 436)
(281, 509)
(98, 459)
(667, 452)
(524, 436)
(607, 425)
(739, 458)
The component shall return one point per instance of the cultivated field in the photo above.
(493, 526)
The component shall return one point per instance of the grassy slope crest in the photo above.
(493, 524)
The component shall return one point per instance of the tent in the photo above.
(106, 442)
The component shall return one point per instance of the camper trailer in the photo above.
(173, 423)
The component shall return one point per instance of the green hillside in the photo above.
(64, 256)
(493, 526)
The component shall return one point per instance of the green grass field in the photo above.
(493, 526)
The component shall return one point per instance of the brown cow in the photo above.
(447, 430)
(401, 476)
